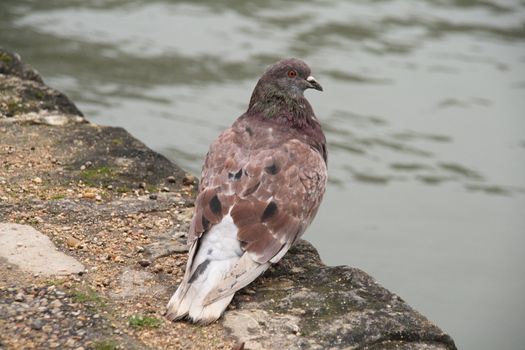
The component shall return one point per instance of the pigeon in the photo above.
(262, 182)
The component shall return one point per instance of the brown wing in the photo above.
(271, 188)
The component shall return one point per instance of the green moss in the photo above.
(105, 345)
(57, 197)
(90, 183)
(96, 173)
(39, 94)
(139, 321)
(122, 189)
(14, 107)
(93, 176)
(5, 58)
(321, 311)
(324, 301)
(55, 282)
(89, 297)
(117, 141)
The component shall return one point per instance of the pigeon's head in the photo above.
(280, 91)
(290, 77)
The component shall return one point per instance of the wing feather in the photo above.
(271, 183)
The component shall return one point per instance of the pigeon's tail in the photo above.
(209, 262)
(205, 295)
(189, 299)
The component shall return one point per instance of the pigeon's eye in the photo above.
(292, 73)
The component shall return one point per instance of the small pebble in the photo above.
(20, 297)
(188, 180)
(153, 196)
(37, 325)
(165, 189)
(144, 263)
(89, 195)
(171, 179)
(72, 242)
(55, 304)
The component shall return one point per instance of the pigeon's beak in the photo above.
(314, 84)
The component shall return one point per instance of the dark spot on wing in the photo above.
(269, 211)
(199, 270)
(249, 131)
(215, 205)
(235, 176)
(210, 251)
(251, 189)
(272, 169)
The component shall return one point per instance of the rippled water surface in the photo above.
(423, 109)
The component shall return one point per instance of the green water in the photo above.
(423, 110)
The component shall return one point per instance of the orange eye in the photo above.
(292, 73)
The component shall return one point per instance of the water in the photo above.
(423, 109)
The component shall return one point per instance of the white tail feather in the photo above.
(239, 276)
(191, 303)
(218, 252)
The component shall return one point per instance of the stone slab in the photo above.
(32, 251)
